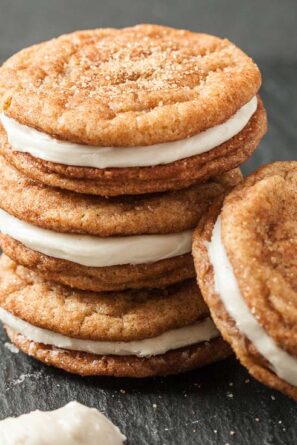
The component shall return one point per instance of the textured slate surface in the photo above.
(220, 404)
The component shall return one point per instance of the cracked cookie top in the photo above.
(114, 316)
(136, 86)
(65, 211)
(259, 233)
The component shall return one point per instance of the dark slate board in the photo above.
(219, 404)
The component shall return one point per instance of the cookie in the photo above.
(86, 364)
(68, 212)
(129, 334)
(110, 77)
(174, 176)
(122, 229)
(153, 275)
(130, 111)
(244, 251)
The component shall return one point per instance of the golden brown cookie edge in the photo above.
(69, 212)
(98, 279)
(101, 316)
(172, 362)
(134, 181)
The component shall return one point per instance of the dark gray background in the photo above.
(220, 404)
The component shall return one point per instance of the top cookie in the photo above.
(130, 87)
(247, 269)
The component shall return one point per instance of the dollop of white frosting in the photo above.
(40, 145)
(73, 424)
(94, 251)
(283, 364)
(198, 332)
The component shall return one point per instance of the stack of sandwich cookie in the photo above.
(98, 244)
(114, 143)
(44, 317)
(245, 257)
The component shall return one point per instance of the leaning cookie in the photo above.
(245, 257)
(130, 111)
(137, 334)
(100, 244)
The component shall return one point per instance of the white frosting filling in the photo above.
(73, 424)
(282, 363)
(198, 332)
(41, 145)
(94, 251)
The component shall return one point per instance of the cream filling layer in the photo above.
(93, 251)
(198, 332)
(73, 424)
(40, 145)
(283, 364)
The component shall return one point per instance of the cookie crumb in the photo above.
(12, 348)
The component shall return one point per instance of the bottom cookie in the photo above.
(85, 364)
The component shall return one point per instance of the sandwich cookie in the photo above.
(133, 334)
(130, 111)
(245, 258)
(100, 244)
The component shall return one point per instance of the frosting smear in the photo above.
(74, 424)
